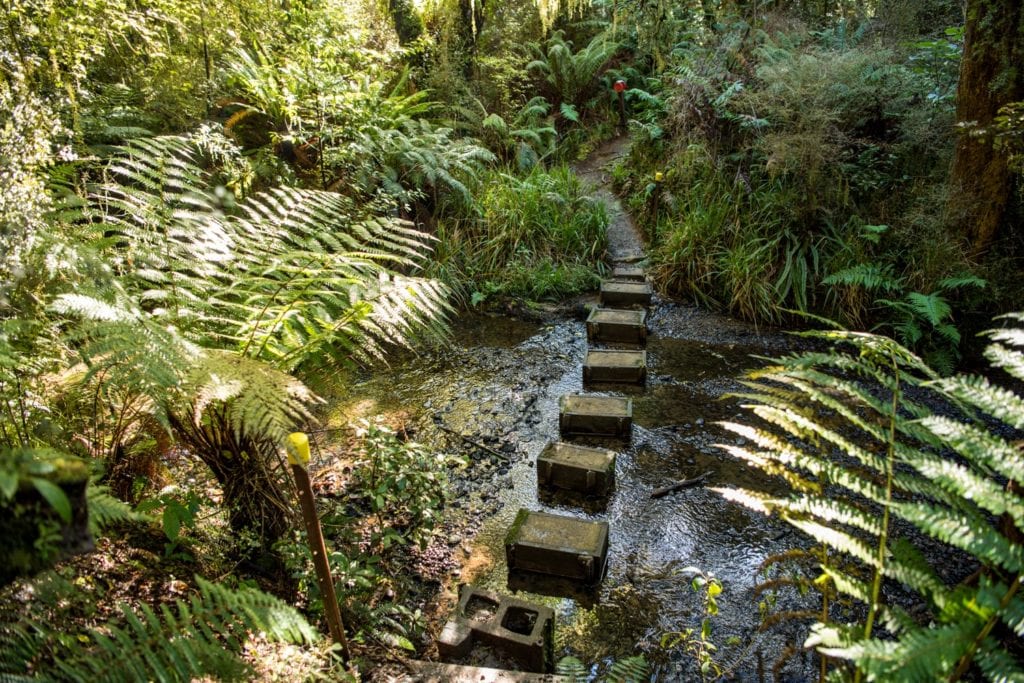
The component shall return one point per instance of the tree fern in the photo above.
(860, 456)
(205, 310)
(571, 76)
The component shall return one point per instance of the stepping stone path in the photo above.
(560, 545)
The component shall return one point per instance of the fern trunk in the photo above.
(248, 474)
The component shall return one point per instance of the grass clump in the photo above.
(537, 237)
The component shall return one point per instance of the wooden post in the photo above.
(297, 447)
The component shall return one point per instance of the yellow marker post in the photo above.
(656, 194)
(297, 447)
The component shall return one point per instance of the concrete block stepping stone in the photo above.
(610, 365)
(577, 468)
(629, 272)
(585, 414)
(561, 546)
(617, 325)
(626, 293)
(519, 629)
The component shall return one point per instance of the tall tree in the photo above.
(990, 77)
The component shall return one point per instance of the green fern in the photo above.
(105, 510)
(626, 670)
(858, 454)
(205, 312)
(571, 76)
(526, 138)
(572, 668)
(870, 276)
(199, 637)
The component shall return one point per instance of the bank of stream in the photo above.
(499, 382)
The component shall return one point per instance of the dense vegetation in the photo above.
(205, 206)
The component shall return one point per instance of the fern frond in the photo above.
(628, 670)
(1000, 403)
(918, 655)
(870, 276)
(187, 642)
(106, 510)
(966, 531)
(572, 668)
(260, 403)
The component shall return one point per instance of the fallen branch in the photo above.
(476, 444)
(686, 483)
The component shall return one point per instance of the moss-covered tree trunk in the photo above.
(991, 76)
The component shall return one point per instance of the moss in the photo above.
(513, 531)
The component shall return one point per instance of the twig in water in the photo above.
(471, 442)
(686, 483)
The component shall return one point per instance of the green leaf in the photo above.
(171, 523)
(932, 307)
(569, 112)
(55, 496)
(8, 484)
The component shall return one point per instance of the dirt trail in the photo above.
(625, 243)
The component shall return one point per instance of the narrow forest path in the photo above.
(625, 243)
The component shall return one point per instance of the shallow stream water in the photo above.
(499, 383)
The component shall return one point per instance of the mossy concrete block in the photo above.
(630, 273)
(576, 468)
(626, 293)
(617, 326)
(607, 365)
(557, 545)
(589, 415)
(522, 630)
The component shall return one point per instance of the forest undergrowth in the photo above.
(207, 207)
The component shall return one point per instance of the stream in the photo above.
(499, 382)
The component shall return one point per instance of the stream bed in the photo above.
(499, 382)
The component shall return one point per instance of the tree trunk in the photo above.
(408, 24)
(990, 77)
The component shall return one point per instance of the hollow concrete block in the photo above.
(590, 415)
(630, 273)
(521, 630)
(626, 293)
(614, 365)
